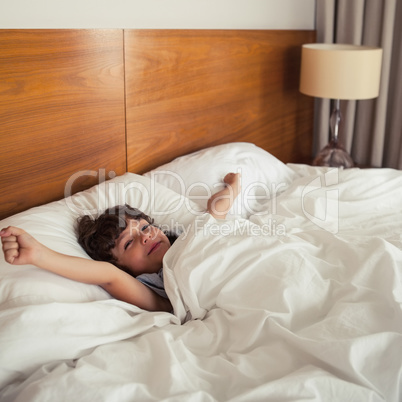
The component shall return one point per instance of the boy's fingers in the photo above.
(11, 230)
(9, 239)
(10, 244)
(10, 255)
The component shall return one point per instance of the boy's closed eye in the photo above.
(143, 229)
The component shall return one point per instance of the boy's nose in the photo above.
(145, 237)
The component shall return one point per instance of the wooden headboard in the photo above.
(81, 104)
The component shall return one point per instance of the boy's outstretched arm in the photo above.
(20, 248)
(221, 202)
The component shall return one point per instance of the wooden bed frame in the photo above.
(129, 100)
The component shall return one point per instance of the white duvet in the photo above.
(301, 302)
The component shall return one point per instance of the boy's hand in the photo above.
(19, 247)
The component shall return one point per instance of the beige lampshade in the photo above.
(338, 71)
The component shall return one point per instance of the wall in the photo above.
(182, 14)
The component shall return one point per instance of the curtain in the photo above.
(371, 130)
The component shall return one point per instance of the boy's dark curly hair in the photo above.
(97, 236)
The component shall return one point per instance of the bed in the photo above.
(296, 295)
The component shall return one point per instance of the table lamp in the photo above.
(339, 72)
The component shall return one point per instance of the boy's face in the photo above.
(140, 247)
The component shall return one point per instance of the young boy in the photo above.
(138, 250)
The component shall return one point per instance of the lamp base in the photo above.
(333, 155)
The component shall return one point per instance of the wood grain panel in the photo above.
(61, 112)
(189, 89)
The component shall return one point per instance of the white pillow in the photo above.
(53, 224)
(200, 174)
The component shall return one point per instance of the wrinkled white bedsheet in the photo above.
(302, 302)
